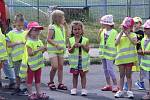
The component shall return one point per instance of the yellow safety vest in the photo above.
(3, 50)
(126, 51)
(18, 50)
(35, 62)
(108, 50)
(59, 38)
(73, 57)
(145, 61)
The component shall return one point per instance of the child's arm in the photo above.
(146, 52)
(31, 52)
(118, 38)
(86, 47)
(70, 49)
(133, 40)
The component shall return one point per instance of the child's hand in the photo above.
(19, 42)
(44, 48)
(140, 52)
(77, 45)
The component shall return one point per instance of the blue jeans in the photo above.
(8, 71)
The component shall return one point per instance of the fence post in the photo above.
(38, 13)
(128, 7)
(149, 10)
(86, 3)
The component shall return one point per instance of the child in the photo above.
(126, 55)
(79, 57)
(140, 35)
(15, 40)
(5, 62)
(108, 51)
(56, 48)
(34, 60)
(145, 52)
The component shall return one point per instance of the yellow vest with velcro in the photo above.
(108, 50)
(59, 38)
(145, 60)
(126, 51)
(3, 50)
(35, 62)
(18, 50)
(73, 57)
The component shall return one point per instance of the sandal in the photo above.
(51, 86)
(62, 87)
(146, 97)
(32, 97)
(43, 96)
(2, 98)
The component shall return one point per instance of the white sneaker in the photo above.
(130, 94)
(119, 94)
(73, 91)
(84, 92)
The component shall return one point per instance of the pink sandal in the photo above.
(43, 96)
(32, 97)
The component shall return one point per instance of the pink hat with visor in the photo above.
(128, 22)
(34, 25)
(147, 24)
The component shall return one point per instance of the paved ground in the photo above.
(95, 81)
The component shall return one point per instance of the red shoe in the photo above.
(115, 89)
(107, 88)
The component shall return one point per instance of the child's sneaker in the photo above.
(130, 94)
(140, 85)
(84, 92)
(115, 89)
(125, 87)
(73, 91)
(119, 94)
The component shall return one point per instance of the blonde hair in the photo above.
(56, 15)
(77, 23)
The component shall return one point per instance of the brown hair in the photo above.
(56, 15)
(76, 23)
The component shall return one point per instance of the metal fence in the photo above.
(38, 9)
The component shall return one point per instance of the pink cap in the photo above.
(128, 22)
(34, 25)
(147, 24)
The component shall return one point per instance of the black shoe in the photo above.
(16, 91)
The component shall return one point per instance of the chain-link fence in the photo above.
(38, 9)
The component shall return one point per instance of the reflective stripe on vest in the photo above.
(23, 70)
(36, 62)
(50, 48)
(17, 52)
(3, 52)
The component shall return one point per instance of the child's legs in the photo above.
(142, 75)
(17, 65)
(8, 71)
(60, 68)
(129, 75)
(75, 80)
(106, 71)
(83, 79)
(111, 71)
(30, 75)
(122, 75)
(54, 65)
(37, 75)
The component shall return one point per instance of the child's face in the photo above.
(61, 20)
(147, 31)
(137, 25)
(35, 33)
(77, 30)
(19, 24)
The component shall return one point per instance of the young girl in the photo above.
(15, 40)
(126, 55)
(108, 51)
(56, 48)
(145, 52)
(34, 60)
(79, 57)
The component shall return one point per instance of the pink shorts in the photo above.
(33, 74)
(127, 65)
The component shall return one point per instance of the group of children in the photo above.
(126, 49)
(23, 50)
